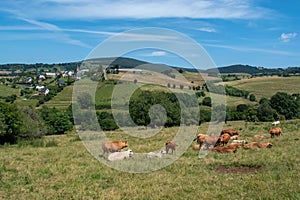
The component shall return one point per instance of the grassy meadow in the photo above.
(60, 167)
(267, 86)
(7, 91)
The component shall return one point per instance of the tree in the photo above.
(32, 124)
(11, 122)
(206, 101)
(285, 104)
(252, 97)
(242, 108)
(58, 122)
(265, 113)
(264, 100)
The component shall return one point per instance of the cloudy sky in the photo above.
(255, 32)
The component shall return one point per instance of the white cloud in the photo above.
(286, 37)
(158, 53)
(249, 49)
(139, 9)
(207, 29)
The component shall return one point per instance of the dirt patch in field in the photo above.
(238, 170)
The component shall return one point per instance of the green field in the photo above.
(7, 91)
(268, 86)
(68, 171)
(62, 100)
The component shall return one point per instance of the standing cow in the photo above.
(110, 147)
(275, 132)
(170, 145)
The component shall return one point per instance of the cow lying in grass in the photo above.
(275, 123)
(239, 141)
(228, 149)
(155, 154)
(275, 132)
(120, 155)
(116, 146)
(253, 145)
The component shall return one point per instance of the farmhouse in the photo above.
(61, 82)
(50, 75)
(28, 80)
(44, 91)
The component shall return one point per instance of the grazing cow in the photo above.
(223, 139)
(110, 147)
(155, 154)
(231, 132)
(228, 149)
(208, 140)
(275, 123)
(120, 155)
(259, 136)
(235, 137)
(275, 132)
(239, 141)
(254, 145)
(170, 145)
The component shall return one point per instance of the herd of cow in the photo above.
(211, 142)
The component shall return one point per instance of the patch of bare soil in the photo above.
(238, 170)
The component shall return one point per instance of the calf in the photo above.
(170, 145)
(120, 155)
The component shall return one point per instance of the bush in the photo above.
(206, 101)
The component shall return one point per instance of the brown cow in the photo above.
(223, 139)
(200, 139)
(238, 145)
(254, 145)
(275, 132)
(170, 145)
(110, 147)
(258, 136)
(228, 149)
(231, 132)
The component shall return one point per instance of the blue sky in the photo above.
(255, 32)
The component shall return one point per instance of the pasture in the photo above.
(66, 170)
(62, 100)
(8, 91)
(267, 86)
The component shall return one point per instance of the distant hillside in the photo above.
(121, 61)
(255, 70)
(124, 62)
